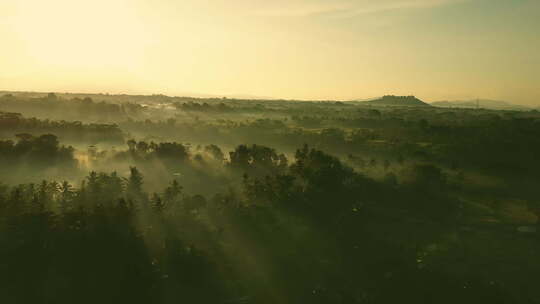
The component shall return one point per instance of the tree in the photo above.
(257, 160)
(171, 151)
(172, 196)
(215, 152)
(142, 148)
(134, 182)
(132, 144)
(66, 196)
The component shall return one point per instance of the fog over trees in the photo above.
(157, 199)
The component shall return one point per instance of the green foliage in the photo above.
(377, 207)
(39, 152)
(74, 131)
(257, 160)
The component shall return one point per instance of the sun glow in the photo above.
(435, 49)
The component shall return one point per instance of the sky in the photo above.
(294, 49)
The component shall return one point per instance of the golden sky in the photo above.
(302, 49)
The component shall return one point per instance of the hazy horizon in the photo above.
(308, 50)
(254, 97)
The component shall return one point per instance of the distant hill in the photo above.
(482, 103)
(392, 100)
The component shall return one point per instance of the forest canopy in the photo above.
(156, 199)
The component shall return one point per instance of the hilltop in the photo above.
(392, 100)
